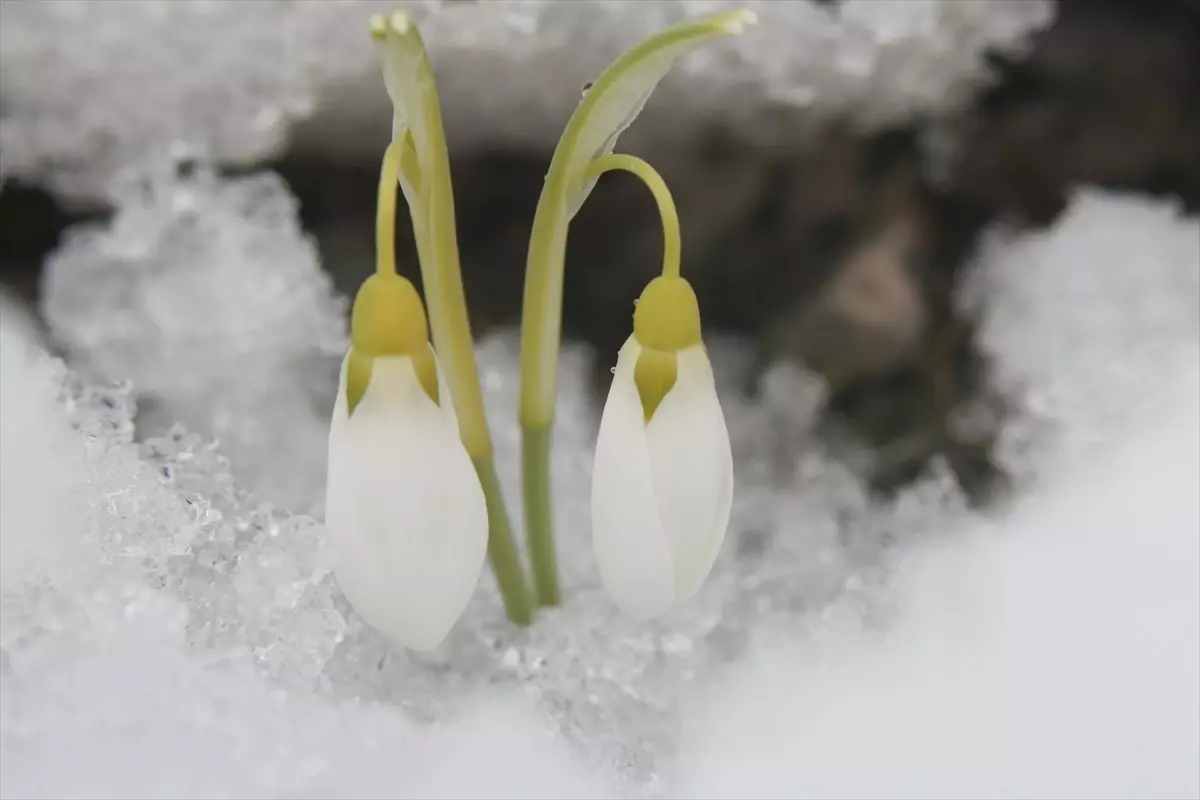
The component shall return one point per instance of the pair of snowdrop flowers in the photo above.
(412, 503)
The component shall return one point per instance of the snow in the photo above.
(168, 633)
(1088, 320)
(36, 513)
(206, 295)
(1054, 653)
(93, 92)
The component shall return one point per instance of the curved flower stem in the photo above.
(536, 436)
(672, 242)
(385, 213)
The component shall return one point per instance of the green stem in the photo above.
(672, 242)
(506, 562)
(385, 214)
(539, 527)
(540, 333)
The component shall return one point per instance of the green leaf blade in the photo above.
(618, 96)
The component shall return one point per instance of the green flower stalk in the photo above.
(424, 177)
(608, 107)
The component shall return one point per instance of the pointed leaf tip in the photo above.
(377, 26)
(737, 21)
(400, 22)
(618, 95)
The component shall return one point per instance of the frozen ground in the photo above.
(165, 633)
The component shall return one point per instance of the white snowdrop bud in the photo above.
(662, 482)
(403, 504)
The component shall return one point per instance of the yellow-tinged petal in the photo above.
(654, 375)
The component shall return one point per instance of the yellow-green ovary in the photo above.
(388, 320)
(666, 320)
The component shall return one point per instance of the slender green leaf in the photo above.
(617, 97)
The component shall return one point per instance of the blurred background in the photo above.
(834, 169)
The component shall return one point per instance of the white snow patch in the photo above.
(1055, 653)
(39, 457)
(167, 634)
(95, 91)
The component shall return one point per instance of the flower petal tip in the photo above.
(400, 22)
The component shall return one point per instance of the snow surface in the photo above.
(166, 633)
(92, 90)
(207, 295)
(1051, 653)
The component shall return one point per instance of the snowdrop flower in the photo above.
(424, 177)
(404, 504)
(662, 481)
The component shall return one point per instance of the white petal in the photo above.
(692, 465)
(627, 536)
(405, 509)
